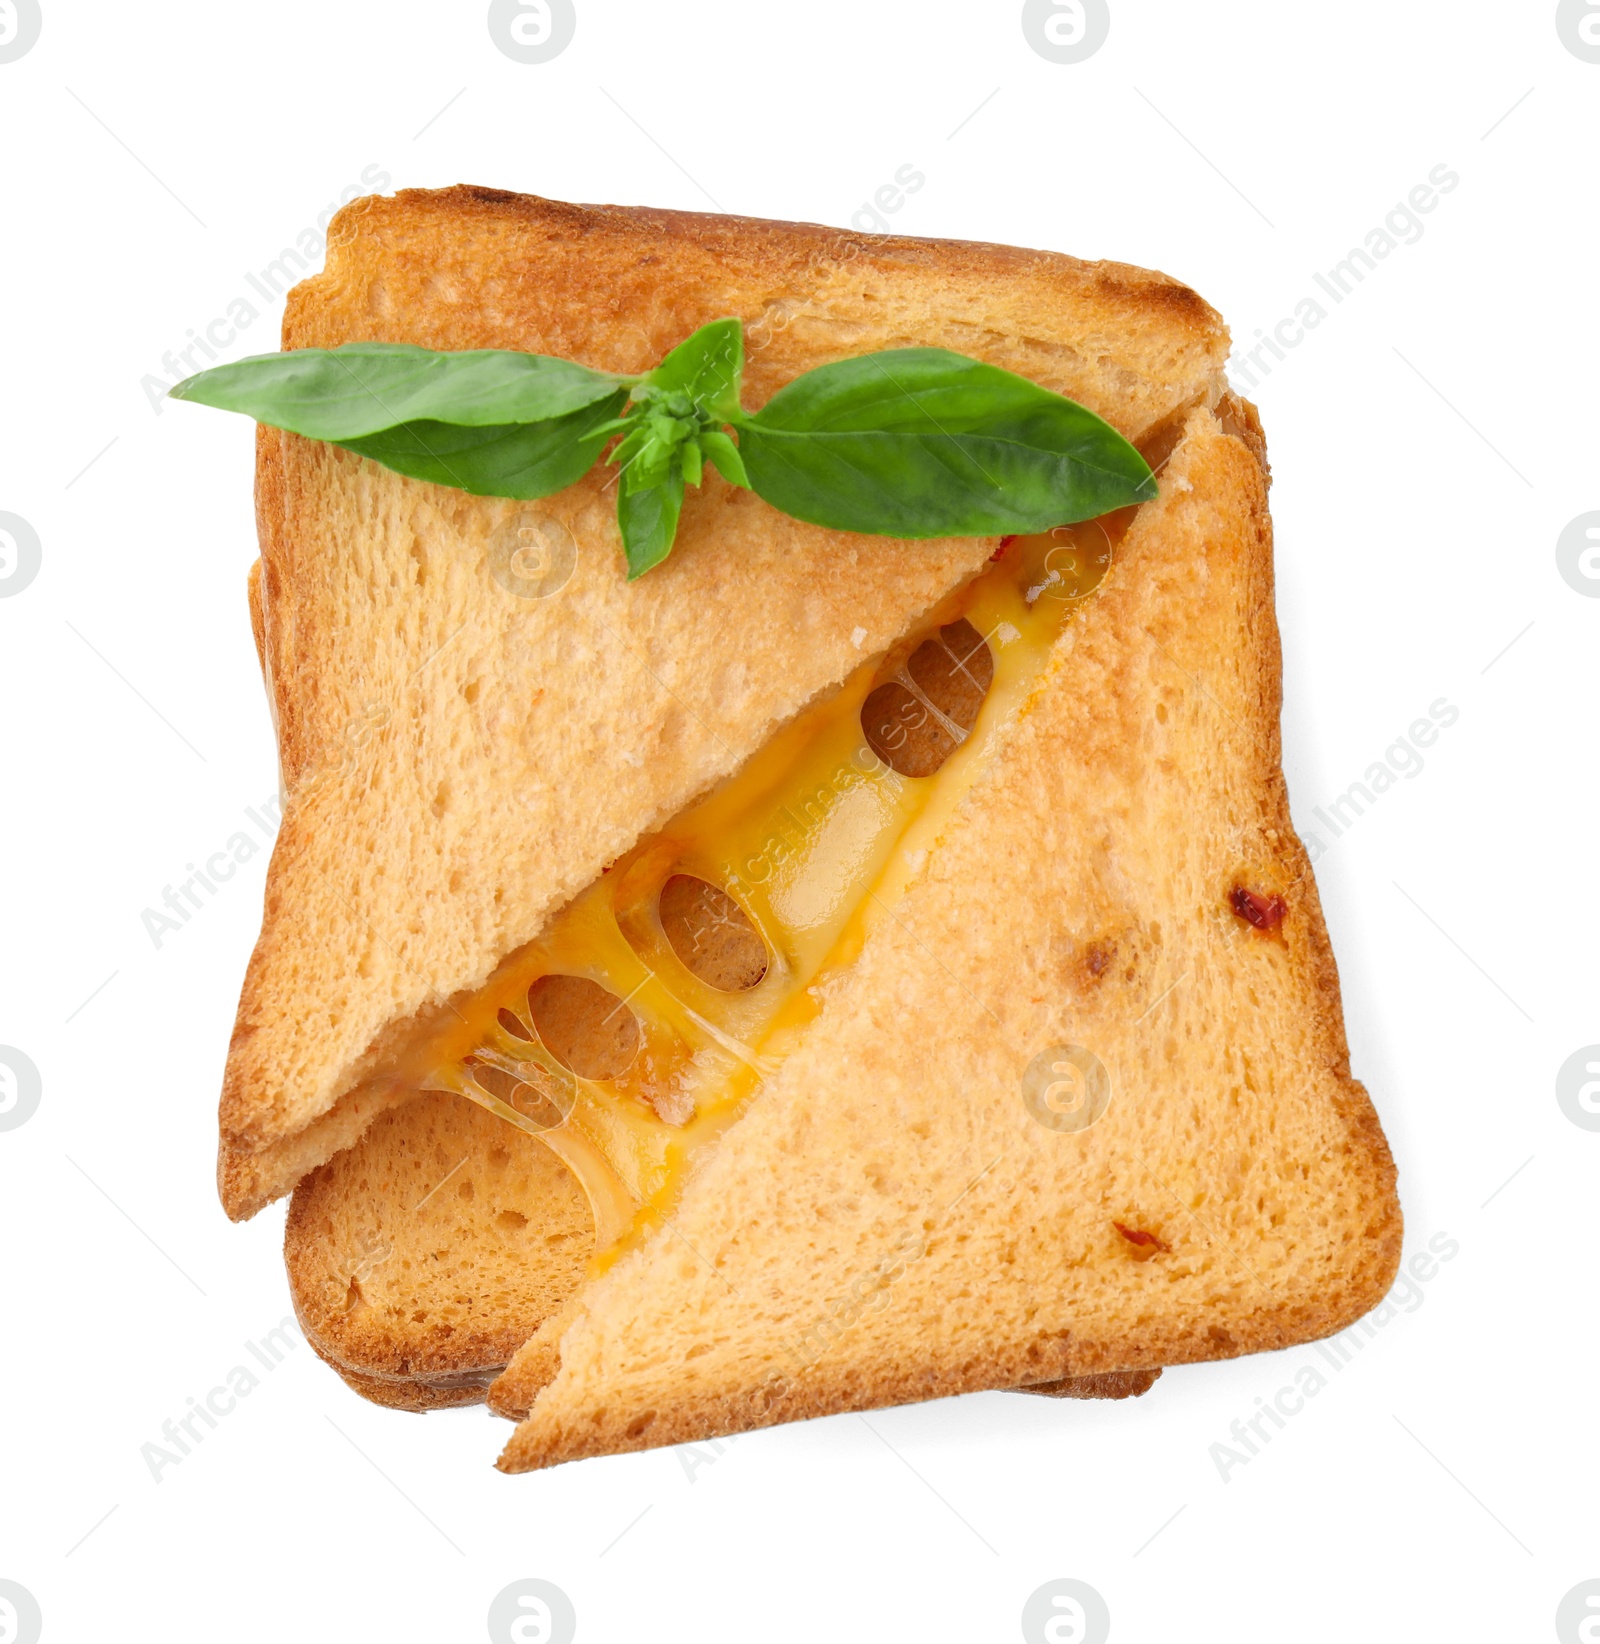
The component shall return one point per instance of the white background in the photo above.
(1429, 441)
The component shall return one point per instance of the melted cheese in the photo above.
(816, 838)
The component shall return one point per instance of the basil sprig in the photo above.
(674, 427)
(911, 442)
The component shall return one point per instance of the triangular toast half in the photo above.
(476, 712)
(904, 1211)
(421, 1259)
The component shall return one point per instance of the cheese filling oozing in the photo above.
(639, 1026)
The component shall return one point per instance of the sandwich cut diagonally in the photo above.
(828, 972)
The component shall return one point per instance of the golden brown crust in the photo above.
(616, 283)
(512, 1395)
(257, 619)
(380, 622)
(1113, 1384)
(1242, 420)
(409, 1393)
(426, 1255)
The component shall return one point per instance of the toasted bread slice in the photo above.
(422, 1258)
(1120, 887)
(459, 759)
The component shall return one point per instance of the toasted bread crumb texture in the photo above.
(432, 1251)
(891, 1221)
(459, 760)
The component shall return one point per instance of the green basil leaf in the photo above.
(648, 518)
(520, 460)
(723, 455)
(907, 485)
(910, 390)
(921, 442)
(707, 367)
(364, 388)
